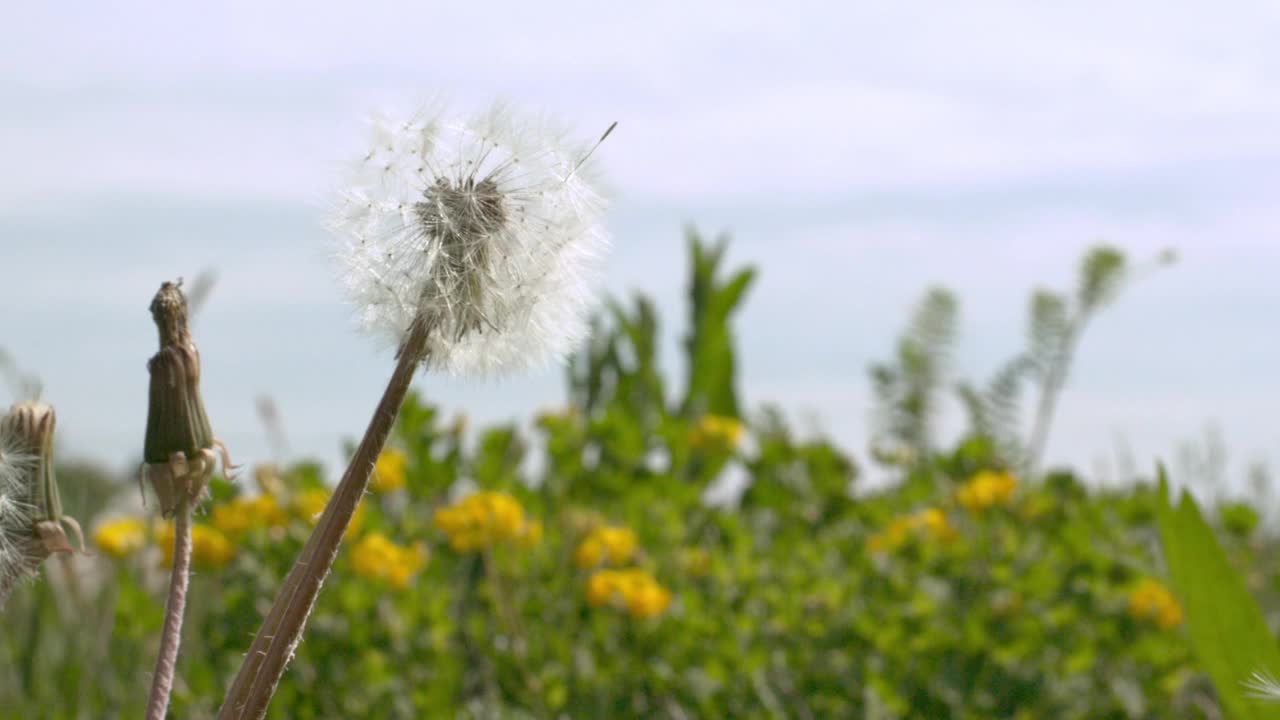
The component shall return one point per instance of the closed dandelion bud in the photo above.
(179, 448)
(31, 519)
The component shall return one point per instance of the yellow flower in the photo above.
(634, 590)
(121, 537)
(243, 513)
(717, 432)
(985, 490)
(232, 518)
(378, 558)
(600, 588)
(892, 537)
(265, 511)
(389, 472)
(308, 505)
(930, 522)
(934, 523)
(648, 600)
(209, 547)
(1151, 602)
(483, 520)
(613, 544)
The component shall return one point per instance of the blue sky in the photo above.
(858, 154)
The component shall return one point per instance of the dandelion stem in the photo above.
(171, 634)
(281, 630)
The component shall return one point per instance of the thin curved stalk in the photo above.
(174, 607)
(281, 630)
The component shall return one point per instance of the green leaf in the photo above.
(1101, 274)
(1227, 631)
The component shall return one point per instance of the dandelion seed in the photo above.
(487, 229)
(17, 498)
(1262, 685)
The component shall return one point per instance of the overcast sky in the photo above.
(858, 154)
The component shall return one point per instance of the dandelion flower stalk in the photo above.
(179, 455)
(281, 631)
(471, 244)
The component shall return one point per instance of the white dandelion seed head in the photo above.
(18, 477)
(489, 228)
(1262, 685)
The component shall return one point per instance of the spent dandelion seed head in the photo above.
(17, 497)
(488, 229)
(31, 519)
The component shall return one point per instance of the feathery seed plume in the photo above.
(487, 229)
(31, 519)
(1262, 685)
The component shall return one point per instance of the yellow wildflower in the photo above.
(892, 537)
(243, 513)
(615, 545)
(389, 472)
(934, 523)
(231, 518)
(378, 558)
(121, 537)
(718, 432)
(985, 490)
(308, 505)
(209, 547)
(1151, 602)
(265, 511)
(600, 588)
(648, 600)
(483, 520)
(634, 590)
(930, 522)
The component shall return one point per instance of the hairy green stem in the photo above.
(174, 607)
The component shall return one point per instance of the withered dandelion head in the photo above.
(31, 519)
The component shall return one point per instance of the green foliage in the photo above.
(709, 345)
(1101, 273)
(956, 592)
(907, 389)
(1226, 629)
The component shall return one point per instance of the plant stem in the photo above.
(171, 634)
(1049, 391)
(281, 630)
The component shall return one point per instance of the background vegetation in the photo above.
(580, 569)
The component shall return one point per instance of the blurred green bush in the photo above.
(577, 570)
